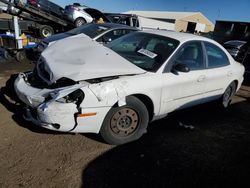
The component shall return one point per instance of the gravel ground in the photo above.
(216, 153)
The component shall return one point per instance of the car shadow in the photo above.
(215, 153)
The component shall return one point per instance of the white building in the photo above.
(183, 21)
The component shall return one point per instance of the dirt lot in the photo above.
(215, 154)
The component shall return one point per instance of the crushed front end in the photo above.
(52, 107)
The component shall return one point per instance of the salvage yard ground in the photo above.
(216, 153)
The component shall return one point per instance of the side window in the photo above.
(216, 57)
(125, 21)
(191, 54)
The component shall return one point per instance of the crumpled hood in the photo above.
(81, 58)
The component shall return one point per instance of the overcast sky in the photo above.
(236, 10)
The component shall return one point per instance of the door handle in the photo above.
(201, 78)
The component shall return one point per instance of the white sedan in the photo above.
(81, 86)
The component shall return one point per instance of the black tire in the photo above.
(8, 56)
(21, 56)
(46, 31)
(126, 123)
(79, 22)
(228, 95)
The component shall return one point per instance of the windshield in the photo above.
(147, 51)
(92, 30)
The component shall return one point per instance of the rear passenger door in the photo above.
(218, 71)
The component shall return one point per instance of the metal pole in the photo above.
(17, 35)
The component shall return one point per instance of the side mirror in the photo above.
(180, 68)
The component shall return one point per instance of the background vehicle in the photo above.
(48, 6)
(139, 21)
(45, 18)
(41, 21)
(80, 15)
(102, 33)
(231, 30)
(237, 49)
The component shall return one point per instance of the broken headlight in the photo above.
(43, 70)
(76, 97)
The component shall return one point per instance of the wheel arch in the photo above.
(147, 101)
(232, 81)
(237, 84)
(80, 17)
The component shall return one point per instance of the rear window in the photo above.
(216, 56)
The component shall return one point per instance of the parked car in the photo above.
(80, 14)
(79, 85)
(47, 6)
(237, 49)
(102, 33)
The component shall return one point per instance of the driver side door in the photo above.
(181, 89)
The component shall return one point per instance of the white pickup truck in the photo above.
(139, 22)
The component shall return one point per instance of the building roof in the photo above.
(162, 14)
(165, 14)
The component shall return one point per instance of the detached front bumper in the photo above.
(55, 115)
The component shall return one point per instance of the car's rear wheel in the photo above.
(228, 94)
(80, 21)
(125, 124)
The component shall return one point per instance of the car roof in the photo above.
(115, 25)
(182, 37)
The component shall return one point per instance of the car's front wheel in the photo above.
(126, 123)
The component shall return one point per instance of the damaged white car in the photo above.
(81, 86)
